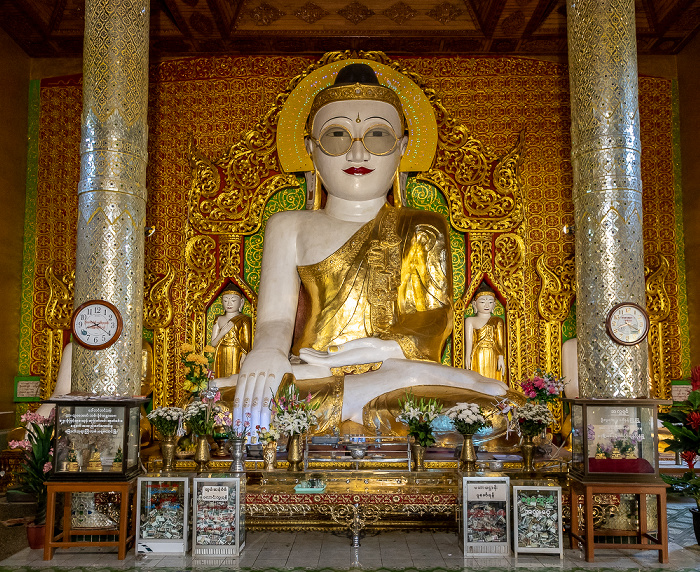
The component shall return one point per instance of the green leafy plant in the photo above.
(683, 422)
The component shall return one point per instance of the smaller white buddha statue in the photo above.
(231, 334)
(484, 337)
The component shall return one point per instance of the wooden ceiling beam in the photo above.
(174, 14)
(540, 14)
(494, 15)
(476, 15)
(650, 12)
(218, 16)
(57, 14)
(237, 6)
(32, 16)
(673, 15)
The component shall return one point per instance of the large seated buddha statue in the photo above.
(375, 277)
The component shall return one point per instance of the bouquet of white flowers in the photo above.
(199, 417)
(166, 419)
(468, 418)
(293, 415)
(419, 415)
(533, 418)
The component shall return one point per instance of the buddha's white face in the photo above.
(357, 174)
(484, 304)
(232, 302)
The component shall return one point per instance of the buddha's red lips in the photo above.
(357, 170)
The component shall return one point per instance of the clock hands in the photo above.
(96, 324)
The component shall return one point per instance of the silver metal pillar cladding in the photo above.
(607, 193)
(112, 188)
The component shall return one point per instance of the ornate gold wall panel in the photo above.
(217, 99)
(607, 191)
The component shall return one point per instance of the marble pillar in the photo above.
(112, 188)
(607, 192)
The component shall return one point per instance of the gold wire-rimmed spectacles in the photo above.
(336, 140)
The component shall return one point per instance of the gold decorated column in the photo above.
(112, 188)
(607, 193)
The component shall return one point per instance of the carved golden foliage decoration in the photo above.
(483, 191)
(656, 269)
(480, 256)
(59, 308)
(200, 257)
(658, 302)
(157, 307)
(558, 289)
(509, 268)
(229, 255)
(458, 334)
(248, 169)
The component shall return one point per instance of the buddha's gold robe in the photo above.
(488, 343)
(391, 280)
(233, 346)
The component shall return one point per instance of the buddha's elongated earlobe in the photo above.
(313, 190)
(399, 189)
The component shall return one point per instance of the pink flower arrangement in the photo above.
(542, 387)
(38, 457)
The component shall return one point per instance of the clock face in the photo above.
(627, 324)
(96, 324)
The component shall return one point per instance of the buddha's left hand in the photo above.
(362, 350)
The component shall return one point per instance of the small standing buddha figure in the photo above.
(231, 334)
(485, 337)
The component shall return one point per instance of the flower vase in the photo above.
(168, 445)
(236, 448)
(527, 450)
(35, 535)
(295, 455)
(467, 459)
(270, 455)
(418, 454)
(201, 453)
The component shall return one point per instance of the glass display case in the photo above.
(218, 515)
(162, 510)
(615, 438)
(484, 519)
(537, 520)
(96, 438)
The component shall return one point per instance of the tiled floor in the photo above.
(392, 550)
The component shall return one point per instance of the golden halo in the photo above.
(420, 117)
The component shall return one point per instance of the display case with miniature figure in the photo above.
(162, 510)
(614, 437)
(96, 438)
(218, 515)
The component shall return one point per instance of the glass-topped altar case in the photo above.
(96, 438)
(615, 438)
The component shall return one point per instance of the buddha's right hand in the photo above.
(260, 376)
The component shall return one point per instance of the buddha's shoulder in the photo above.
(290, 221)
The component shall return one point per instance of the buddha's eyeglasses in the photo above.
(336, 140)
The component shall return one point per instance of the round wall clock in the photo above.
(627, 324)
(96, 324)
